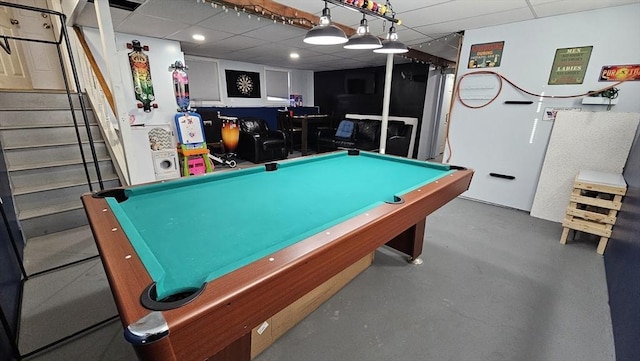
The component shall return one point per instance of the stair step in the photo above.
(49, 210)
(51, 135)
(42, 126)
(54, 197)
(61, 185)
(13, 100)
(51, 250)
(56, 144)
(52, 164)
(55, 219)
(47, 155)
(43, 176)
(44, 162)
(19, 118)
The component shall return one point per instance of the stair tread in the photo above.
(15, 168)
(18, 147)
(82, 231)
(43, 211)
(60, 185)
(48, 125)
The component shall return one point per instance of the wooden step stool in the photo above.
(594, 205)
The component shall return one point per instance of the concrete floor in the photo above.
(496, 284)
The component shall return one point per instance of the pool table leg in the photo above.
(410, 242)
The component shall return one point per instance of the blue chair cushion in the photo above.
(345, 129)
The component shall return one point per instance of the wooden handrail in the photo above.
(95, 68)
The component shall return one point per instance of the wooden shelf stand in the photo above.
(594, 204)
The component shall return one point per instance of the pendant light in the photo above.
(362, 39)
(325, 33)
(392, 45)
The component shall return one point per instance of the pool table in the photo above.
(195, 263)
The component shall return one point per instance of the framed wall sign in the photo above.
(486, 55)
(620, 72)
(570, 65)
(242, 84)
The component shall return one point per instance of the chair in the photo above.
(258, 144)
(293, 134)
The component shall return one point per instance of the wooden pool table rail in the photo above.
(221, 319)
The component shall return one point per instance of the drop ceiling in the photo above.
(429, 26)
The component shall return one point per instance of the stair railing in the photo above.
(62, 36)
(102, 101)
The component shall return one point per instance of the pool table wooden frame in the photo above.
(217, 324)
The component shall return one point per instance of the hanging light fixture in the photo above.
(325, 33)
(392, 45)
(362, 39)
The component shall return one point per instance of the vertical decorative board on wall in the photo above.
(141, 74)
(598, 141)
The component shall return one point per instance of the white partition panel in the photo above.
(595, 141)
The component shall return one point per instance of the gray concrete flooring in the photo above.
(496, 284)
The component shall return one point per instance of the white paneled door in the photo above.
(32, 65)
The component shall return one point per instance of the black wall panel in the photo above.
(361, 91)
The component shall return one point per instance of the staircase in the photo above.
(46, 172)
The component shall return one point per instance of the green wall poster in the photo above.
(570, 65)
(486, 55)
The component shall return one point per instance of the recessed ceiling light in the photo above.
(294, 55)
(198, 37)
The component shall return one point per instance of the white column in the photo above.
(110, 53)
(385, 104)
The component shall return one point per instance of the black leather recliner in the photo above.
(398, 138)
(258, 144)
(366, 136)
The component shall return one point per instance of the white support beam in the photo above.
(385, 104)
(110, 53)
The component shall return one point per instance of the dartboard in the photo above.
(244, 84)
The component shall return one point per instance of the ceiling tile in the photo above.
(149, 26)
(276, 32)
(232, 21)
(567, 6)
(475, 22)
(88, 16)
(182, 11)
(186, 35)
(239, 37)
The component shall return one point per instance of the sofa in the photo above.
(258, 143)
(365, 135)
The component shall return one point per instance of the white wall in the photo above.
(512, 139)
(301, 82)
(161, 53)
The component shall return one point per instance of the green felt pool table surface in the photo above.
(190, 231)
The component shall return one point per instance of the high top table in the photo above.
(304, 121)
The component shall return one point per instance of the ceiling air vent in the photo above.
(129, 5)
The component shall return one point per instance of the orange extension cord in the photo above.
(501, 79)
